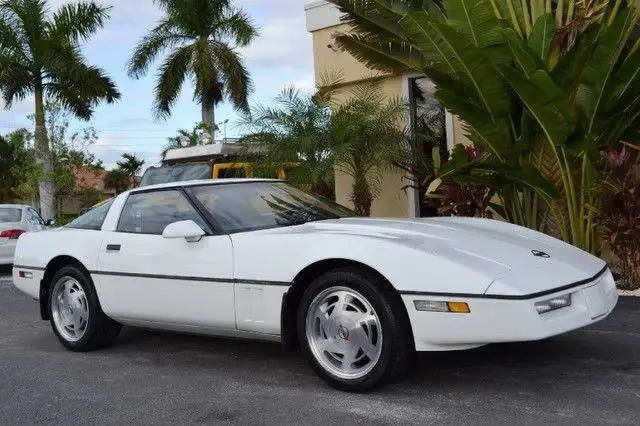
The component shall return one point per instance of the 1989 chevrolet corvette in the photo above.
(261, 259)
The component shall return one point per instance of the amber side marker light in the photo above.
(441, 306)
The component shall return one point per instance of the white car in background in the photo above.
(15, 220)
(260, 259)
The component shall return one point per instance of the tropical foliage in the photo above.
(117, 179)
(131, 165)
(203, 37)
(620, 213)
(367, 138)
(355, 131)
(294, 131)
(40, 56)
(69, 153)
(542, 87)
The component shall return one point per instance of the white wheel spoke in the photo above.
(362, 341)
(349, 357)
(341, 305)
(326, 323)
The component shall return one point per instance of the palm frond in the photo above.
(77, 21)
(233, 73)
(171, 76)
(236, 26)
(163, 37)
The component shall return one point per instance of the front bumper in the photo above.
(496, 320)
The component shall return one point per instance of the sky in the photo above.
(281, 56)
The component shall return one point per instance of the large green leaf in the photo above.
(494, 136)
(569, 70)
(496, 175)
(422, 32)
(523, 55)
(388, 57)
(369, 18)
(511, 11)
(541, 36)
(460, 57)
(625, 83)
(476, 19)
(546, 102)
(594, 83)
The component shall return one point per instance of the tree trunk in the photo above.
(43, 157)
(361, 196)
(208, 117)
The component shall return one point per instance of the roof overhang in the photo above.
(321, 15)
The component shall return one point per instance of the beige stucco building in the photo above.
(323, 20)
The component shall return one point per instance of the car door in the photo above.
(146, 277)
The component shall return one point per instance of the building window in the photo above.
(428, 130)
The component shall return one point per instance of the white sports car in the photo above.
(261, 259)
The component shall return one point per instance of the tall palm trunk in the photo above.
(361, 196)
(208, 117)
(43, 157)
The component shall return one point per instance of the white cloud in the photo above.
(110, 150)
(283, 43)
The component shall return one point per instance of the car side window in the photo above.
(35, 217)
(93, 219)
(151, 212)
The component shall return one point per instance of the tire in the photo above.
(75, 315)
(382, 350)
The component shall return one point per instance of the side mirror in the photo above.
(50, 222)
(187, 229)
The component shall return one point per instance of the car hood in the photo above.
(494, 248)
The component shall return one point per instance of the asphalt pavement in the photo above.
(590, 376)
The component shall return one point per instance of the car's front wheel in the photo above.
(76, 316)
(352, 328)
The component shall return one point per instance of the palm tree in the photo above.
(203, 36)
(116, 179)
(367, 138)
(131, 166)
(40, 55)
(294, 130)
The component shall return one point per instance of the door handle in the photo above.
(113, 247)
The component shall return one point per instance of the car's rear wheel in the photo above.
(353, 330)
(76, 316)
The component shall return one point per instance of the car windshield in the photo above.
(177, 173)
(240, 207)
(10, 214)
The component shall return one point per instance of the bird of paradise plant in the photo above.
(541, 86)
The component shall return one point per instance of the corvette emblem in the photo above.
(343, 332)
(539, 253)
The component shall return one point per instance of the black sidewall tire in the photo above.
(396, 346)
(101, 330)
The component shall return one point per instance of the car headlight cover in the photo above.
(441, 306)
(553, 303)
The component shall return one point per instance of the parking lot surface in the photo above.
(591, 376)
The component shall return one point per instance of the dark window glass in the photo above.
(151, 212)
(177, 173)
(428, 131)
(10, 214)
(92, 219)
(232, 172)
(259, 205)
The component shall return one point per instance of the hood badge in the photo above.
(539, 253)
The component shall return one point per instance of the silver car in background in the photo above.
(15, 220)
